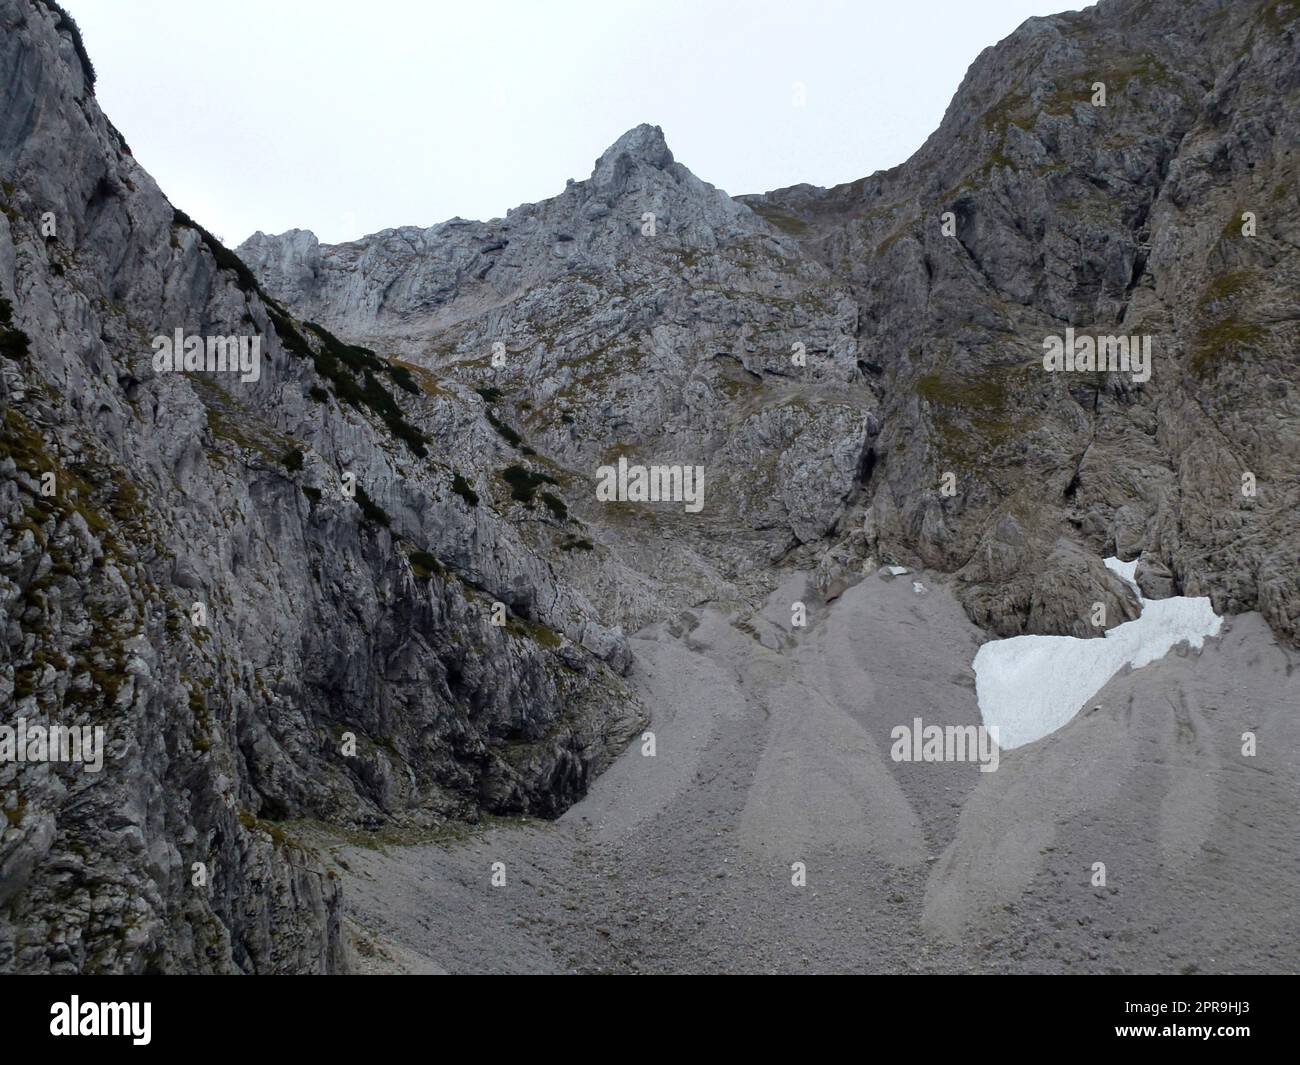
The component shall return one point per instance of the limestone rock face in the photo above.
(641, 314)
(1131, 219)
(342, 568)
(923, 425)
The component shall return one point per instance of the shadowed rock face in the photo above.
(327, 614)
(924, 349)
(1116, 220)
(641, 314)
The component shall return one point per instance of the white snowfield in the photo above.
(1029, 686)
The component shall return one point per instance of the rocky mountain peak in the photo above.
(643, 145)
(298, 238)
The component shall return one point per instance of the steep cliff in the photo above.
(1169, 212)
(316, 525)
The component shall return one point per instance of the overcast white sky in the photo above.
(348, 117)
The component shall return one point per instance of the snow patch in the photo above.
(1125, 571)
(1029, 686)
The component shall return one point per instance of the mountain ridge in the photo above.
(854, 231)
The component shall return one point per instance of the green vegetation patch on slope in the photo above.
(67, 24)
(524, 483)
(14, 343)
(462, 488)
(972, 416)
(424, 565)
(1223, 330)
(351, 371)
(371, 510)
(225, 258)
(783, 220)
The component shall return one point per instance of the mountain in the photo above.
(924, 342)
(668, 348)
(328, 614)
(859, 370)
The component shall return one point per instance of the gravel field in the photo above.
(773, 748)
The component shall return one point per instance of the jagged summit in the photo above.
(294, 232)
(641, 147)
(591, 226)
(299, 238)
(1031, 171)
(643, 144)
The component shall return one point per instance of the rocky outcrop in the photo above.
(1167, 213)
(274, 595)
